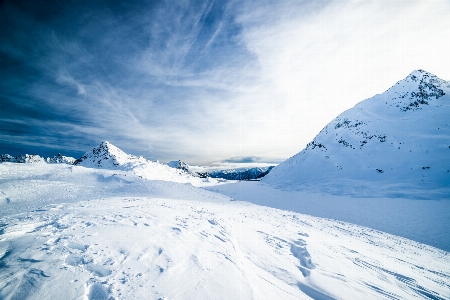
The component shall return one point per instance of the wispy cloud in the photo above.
(204, 81)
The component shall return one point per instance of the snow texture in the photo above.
(69, 232)
(396, 144)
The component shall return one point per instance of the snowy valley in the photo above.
(362, 212)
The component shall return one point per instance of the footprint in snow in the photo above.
(74, 260)
(303, 256)
(98, 291)
(97, 270)
(77, 246)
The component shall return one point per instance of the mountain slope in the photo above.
(395, 144)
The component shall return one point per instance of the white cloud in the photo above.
(289, 68)
(316, 62)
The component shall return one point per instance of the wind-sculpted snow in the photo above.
(396, 144)
(109, 234)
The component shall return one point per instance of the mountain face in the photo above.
(394, 144)
(181, 165)
(241, 173)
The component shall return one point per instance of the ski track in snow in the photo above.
(77, 233)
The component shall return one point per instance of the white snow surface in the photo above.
(82, 233)
(425, 221)
(396, 144)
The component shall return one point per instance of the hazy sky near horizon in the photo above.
(203, 81)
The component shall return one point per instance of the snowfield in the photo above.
(82, 233)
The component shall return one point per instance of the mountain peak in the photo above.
(181, 165)
(416, 90)
(107, 147)
(105, 156)
(421, 76)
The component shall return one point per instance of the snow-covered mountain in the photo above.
(394, 144)
(241, 173)
(181, 165)
(108, 156)
(60, 159)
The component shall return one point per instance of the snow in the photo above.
(84, 233)
(339, 220)
(425, 221)
(396, 144)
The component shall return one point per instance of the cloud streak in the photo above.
(203, 81)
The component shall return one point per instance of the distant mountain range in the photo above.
(241, 173)
(108, 156)
(394, 143)
(28, 158)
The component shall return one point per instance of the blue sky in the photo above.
(202, 81)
